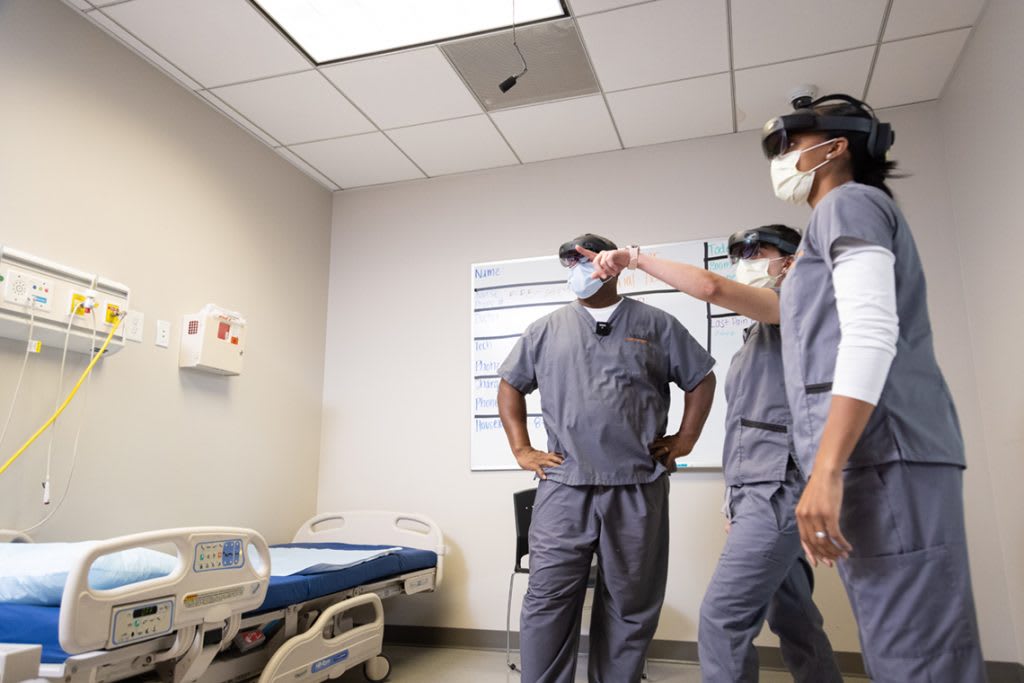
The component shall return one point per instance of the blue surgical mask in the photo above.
(580, 281)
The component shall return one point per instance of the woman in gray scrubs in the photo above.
(761, 573)
(872, 414)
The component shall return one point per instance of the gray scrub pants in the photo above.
(762, 574)
(627, 528)
(908, 577)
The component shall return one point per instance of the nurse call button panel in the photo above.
(141, 621)
(216, 555)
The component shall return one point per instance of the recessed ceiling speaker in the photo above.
(559, 68)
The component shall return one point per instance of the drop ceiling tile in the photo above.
(558, 129)
(916, 17)
(657, 42)
(306, 168)
(454, 146)
(763, 92)
(108, 25)
(915, 69)
(404, 89)
(673, 111)
(766, 32)
(216, 43)
(582, 7)
(360, 160)
(296, 108)
(234, 116)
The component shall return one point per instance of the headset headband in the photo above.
(879, 135)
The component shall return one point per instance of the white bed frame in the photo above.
(316, 640)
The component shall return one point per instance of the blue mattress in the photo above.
(40, 625)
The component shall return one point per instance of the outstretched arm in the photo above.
(757, 303)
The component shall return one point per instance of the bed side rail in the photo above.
(313, 657)
(376, 527)
(214, 579)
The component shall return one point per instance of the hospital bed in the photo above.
(197, 622)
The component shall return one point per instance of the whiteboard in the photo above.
(509, 295)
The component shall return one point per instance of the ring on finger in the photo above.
(820, 534)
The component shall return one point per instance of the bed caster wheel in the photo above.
(377, 669)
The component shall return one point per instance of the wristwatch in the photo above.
(634, 256)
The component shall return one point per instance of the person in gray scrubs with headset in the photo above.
(603, 365)
(874, 422)
(761, 573)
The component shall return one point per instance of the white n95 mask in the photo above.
(754, 272)
(791, 185)
(580, 281)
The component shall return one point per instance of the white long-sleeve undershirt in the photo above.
(864, 281)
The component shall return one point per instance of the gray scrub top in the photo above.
(915, 419)
(758, 442)
(605, 399)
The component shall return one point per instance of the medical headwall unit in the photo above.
(52, 298)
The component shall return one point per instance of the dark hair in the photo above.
(866, 169)
(789, 234)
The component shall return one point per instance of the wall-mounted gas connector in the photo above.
(82, 303)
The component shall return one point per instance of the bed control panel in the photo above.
(216, 555)
(142, 621)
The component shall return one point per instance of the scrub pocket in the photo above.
(908, 605)
(763, 450)
(783, 503)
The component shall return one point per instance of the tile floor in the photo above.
(447, 665)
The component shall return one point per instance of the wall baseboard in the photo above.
(850, 663)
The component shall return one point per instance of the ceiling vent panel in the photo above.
(558, 64)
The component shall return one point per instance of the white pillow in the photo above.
(35, 573)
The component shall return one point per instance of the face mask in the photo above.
(791, 185)
(580, 282)
(754, 272)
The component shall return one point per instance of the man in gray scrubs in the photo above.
(603, 365)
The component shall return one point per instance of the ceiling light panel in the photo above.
(334, 30)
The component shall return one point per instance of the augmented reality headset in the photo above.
(776, 134)
(568, 255)
(745, 243)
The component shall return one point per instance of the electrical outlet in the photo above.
(133, 325)
(163, 333)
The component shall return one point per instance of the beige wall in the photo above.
(109, 166)
(397, 391)
(981, 115)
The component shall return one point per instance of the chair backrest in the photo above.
(523, 501)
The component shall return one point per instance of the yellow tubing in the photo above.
(53, 418)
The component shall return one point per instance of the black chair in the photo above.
(523, 504)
